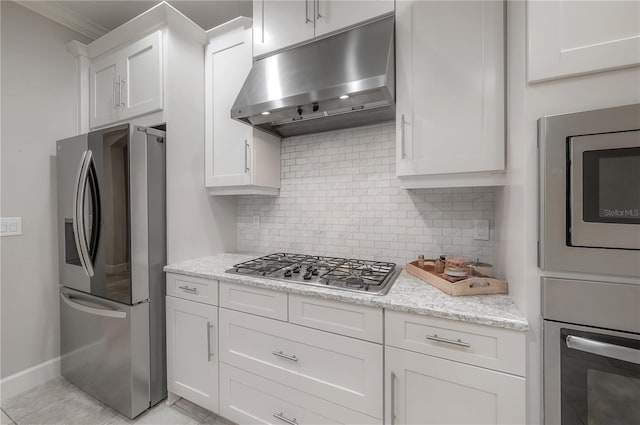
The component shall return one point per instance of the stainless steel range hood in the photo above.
(345, 80)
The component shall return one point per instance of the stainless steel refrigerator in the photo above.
(112, 247)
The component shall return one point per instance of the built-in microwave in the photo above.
(590, 192)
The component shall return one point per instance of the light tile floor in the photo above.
(59, 402)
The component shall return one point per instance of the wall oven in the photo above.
(592, 370)
(589, 229)
(590, 192)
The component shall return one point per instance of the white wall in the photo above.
(38, 107)
(517, 207)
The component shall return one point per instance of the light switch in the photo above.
(10, 226)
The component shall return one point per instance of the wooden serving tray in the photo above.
(470, 286)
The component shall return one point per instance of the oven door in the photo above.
(592, 376)
(604, 191)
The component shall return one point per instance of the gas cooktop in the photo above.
(373, 277)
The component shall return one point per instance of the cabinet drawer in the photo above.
(246, 398)
(192, 288)
(262, 302)
(493, 348)
(338, 369)
(358, 321)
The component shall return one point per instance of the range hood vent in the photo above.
(345, 80)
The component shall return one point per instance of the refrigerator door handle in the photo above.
(77, 218)
(104, 312)
(78, 213)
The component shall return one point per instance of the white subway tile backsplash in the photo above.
(339, 196)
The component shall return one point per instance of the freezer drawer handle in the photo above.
(293, 358)
(285, 419)
(104, 312)
(457, 342)
(604, 349)
(188, 288)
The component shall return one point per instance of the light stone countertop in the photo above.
(408, 294)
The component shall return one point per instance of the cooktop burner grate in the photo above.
(373, 277)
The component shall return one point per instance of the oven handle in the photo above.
(619, 352)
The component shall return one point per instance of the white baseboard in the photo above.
(29, 378)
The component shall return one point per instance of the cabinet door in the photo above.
(333, 15)
(192, 351)
(423, 389)
(140, 81)
(577, 37)
(450, 87)
(281, 23)
(227, 146)
(103, 107)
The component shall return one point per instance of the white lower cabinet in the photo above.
(423, 389)
(339, 369)
(192, 354)
(290, 359)
(247, 398)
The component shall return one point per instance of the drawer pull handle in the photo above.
(293, 358)
(187, 288)
(457, 342)
(285, 419)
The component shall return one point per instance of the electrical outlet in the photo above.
(481, 230)
(256, 221)
(11, 226)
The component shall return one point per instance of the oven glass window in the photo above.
(596, 388)
(611, 190)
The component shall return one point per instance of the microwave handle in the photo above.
(604, 349)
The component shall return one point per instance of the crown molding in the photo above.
(160, 16)
(67, 17)
(77, 49)
(241, 23)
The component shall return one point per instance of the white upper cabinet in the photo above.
(141, 76)
(104, 106)
(333, 15)
(127, 82)
(577, 37)
(279, 24)
(450, 92)
(238, 159)
(282, 23)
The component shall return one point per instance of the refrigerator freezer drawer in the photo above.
(105, 350)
